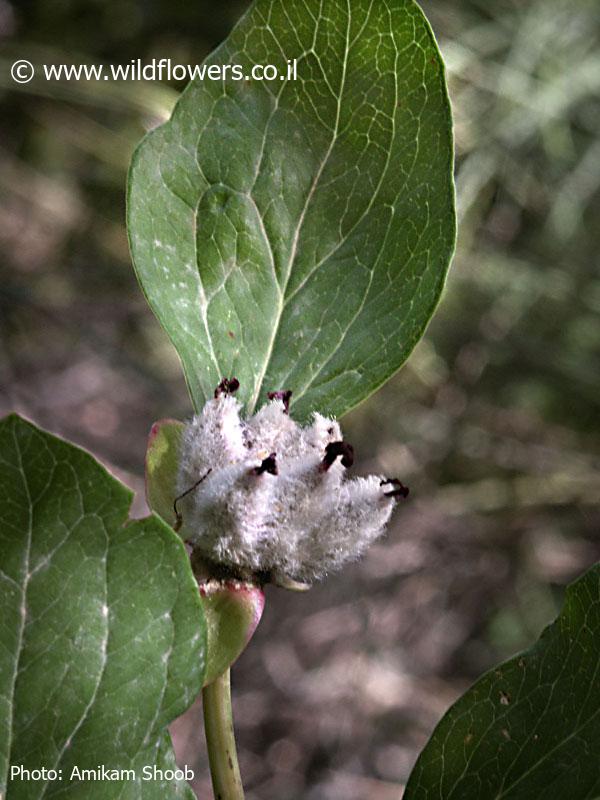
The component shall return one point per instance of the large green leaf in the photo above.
(296, 234)
(529, 729)
(102, 638)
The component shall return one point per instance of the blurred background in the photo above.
(494, 423)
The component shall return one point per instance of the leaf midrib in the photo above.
(295, 240)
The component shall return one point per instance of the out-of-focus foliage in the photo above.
(493, 422)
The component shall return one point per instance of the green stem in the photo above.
(220, 739)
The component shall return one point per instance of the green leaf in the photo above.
(529, 729)
(162, 462)
(232, 609)
(102, 637)
(297, 234)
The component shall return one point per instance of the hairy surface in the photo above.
(276, 498)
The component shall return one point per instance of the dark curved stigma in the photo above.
(268, 464)
(335, 450)
(227, 386)
(284, 396)
(399, 490)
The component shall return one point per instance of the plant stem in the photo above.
(220, 739)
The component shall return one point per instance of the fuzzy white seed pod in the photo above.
(270, 496)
